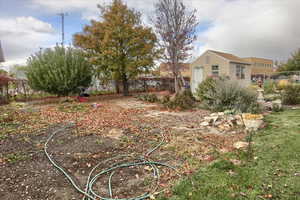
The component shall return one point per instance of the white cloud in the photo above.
(32, 24)
(22, 36)
(263, 28)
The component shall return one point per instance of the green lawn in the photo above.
(274, 172)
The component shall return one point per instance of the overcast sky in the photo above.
(260, 28)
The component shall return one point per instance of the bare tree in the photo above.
(176, 26)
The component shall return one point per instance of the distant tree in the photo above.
(293, 63)
(59, 71)
(119, 44)
(176, 26)
(18, 71)
(3, 72)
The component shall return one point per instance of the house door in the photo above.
(197, 78)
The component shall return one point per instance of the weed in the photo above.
(3, 136)
(15, 157)
(223, 165)
(99, 142)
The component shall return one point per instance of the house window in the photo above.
(240, 71)
(215, 70)
(207, 59)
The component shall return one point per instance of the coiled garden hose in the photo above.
(89, 193)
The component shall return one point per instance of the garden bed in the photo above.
(117, 126)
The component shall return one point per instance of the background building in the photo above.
(260, 67)
(165, 70)
(215, 63)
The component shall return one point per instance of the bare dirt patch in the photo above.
(25, 172)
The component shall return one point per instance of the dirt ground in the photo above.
(113, 127)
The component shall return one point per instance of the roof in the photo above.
(230, 57)
(5, 79)
(1, 54)
(165, 66)
(259, 60)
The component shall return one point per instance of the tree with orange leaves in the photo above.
(119, 45)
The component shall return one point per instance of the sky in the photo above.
(246, 28)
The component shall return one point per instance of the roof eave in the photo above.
(231, 61)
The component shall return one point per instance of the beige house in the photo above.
(165, 71)
(261, 67)
(215, 63)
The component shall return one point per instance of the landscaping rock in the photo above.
(240, 145)
(205, 123)
(115, 133)
(277, 104)
(223, 122)
(221, 113)
(214, 131)
(252, 122)
(211, 119)
(236, 162)
(214, 114)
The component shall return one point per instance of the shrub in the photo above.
(269, 87)
(291, 94)
(282, 84)
(207, 85)
(224, 94)
(182, 100)
(152, 98)
(165, 99)
(59, 71)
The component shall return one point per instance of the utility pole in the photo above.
(62, 27)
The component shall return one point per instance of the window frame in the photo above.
(215, 72)
(240, 71)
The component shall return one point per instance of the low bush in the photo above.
(282, 84)
(165, 99)
(207, 85)
(269, 87)
(152, 98)
(222, 94)
(182, 100)
(291, 94)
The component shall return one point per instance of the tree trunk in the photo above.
(176, 86)
(24, 89)
(7, 93)
(125, 85)
(117, 87)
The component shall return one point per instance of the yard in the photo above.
(114, 125)
(272, 174)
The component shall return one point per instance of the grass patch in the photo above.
(273, 174)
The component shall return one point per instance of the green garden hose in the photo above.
(89, 193)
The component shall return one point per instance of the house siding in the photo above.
(214, 60)
(232, 74)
